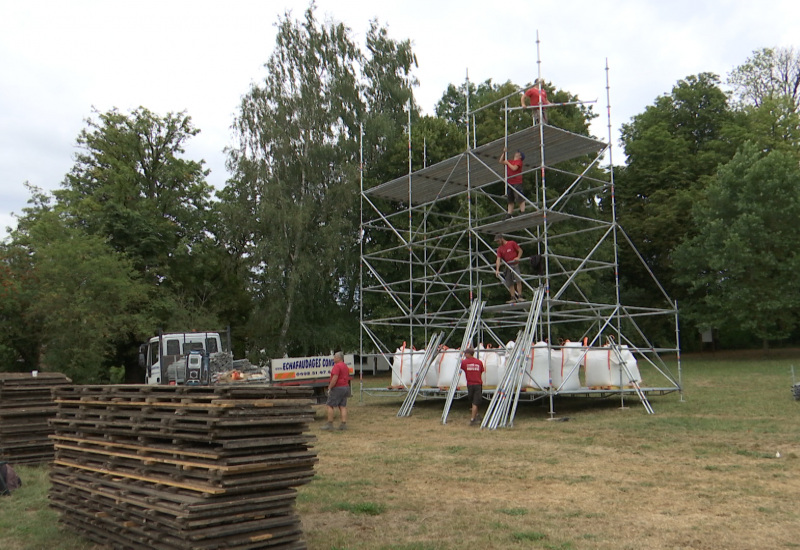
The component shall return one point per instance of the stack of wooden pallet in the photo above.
(26, 405)
(166, 467)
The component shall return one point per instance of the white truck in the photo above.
(164, 350)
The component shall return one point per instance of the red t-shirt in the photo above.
(536, 96)
(508, 252)
(514, 176)
(343, 372)
(473, 368)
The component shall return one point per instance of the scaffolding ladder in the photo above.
(475, 311)
(503, 405)
(427, 360)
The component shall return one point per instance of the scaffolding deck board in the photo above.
(479, 167)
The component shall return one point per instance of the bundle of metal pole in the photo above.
(503, 405)
(533, 320)
(501, 397)
(469, 333)
(427, 360)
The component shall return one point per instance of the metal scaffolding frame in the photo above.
(427, 250)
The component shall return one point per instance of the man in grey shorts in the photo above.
(508, 255)
(338, 391)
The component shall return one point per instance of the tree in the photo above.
(295, 180)
(130, 184)
(743, 265)
(74, 298)
(672, 149)
(768, 74)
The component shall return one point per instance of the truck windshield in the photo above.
(189, 346)
(211, 345)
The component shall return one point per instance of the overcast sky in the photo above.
(61, 58)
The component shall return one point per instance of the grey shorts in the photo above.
(337, 397)
(511, 275)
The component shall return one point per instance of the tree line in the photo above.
(135, 240)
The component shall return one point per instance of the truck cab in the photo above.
(162, 351)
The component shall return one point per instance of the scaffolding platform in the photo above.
(428, 253)
(478, 167)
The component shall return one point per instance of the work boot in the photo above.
(343, 426)
(327, 426)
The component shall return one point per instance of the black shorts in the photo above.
(514, 194)
(475, 394)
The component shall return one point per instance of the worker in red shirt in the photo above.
(537, 96)
(514, 194)
(509, 253)
(338, 391)
(474, 373)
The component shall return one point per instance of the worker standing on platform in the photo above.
(537, 96)
(514, 194)
(473, 371)
(510, 253)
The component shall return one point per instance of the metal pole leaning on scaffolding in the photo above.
(430, 354)
(499, 401)
(503, 405)
(536, 310)
(631, 378)
(472, 324)
(512, 377)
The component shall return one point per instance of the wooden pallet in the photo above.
(26, 406)
(176, 468)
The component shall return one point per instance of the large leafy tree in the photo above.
(69, 298)
(743, 265)
(141, 216)
(672, 149)
(133, 186)
(766, 92)
(768, 74)
(295, 185)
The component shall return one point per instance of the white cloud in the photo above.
(61, 58)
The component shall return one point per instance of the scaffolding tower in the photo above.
(428, 251)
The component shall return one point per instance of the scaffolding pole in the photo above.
(430, 355)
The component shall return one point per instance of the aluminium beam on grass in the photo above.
(503, 405)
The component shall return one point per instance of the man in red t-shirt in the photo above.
(537, 95)
(514, 193)
(473, 371)
(509, 254)
(338, 391)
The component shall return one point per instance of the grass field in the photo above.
(703, 473)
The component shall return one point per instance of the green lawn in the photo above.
(701, 472)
